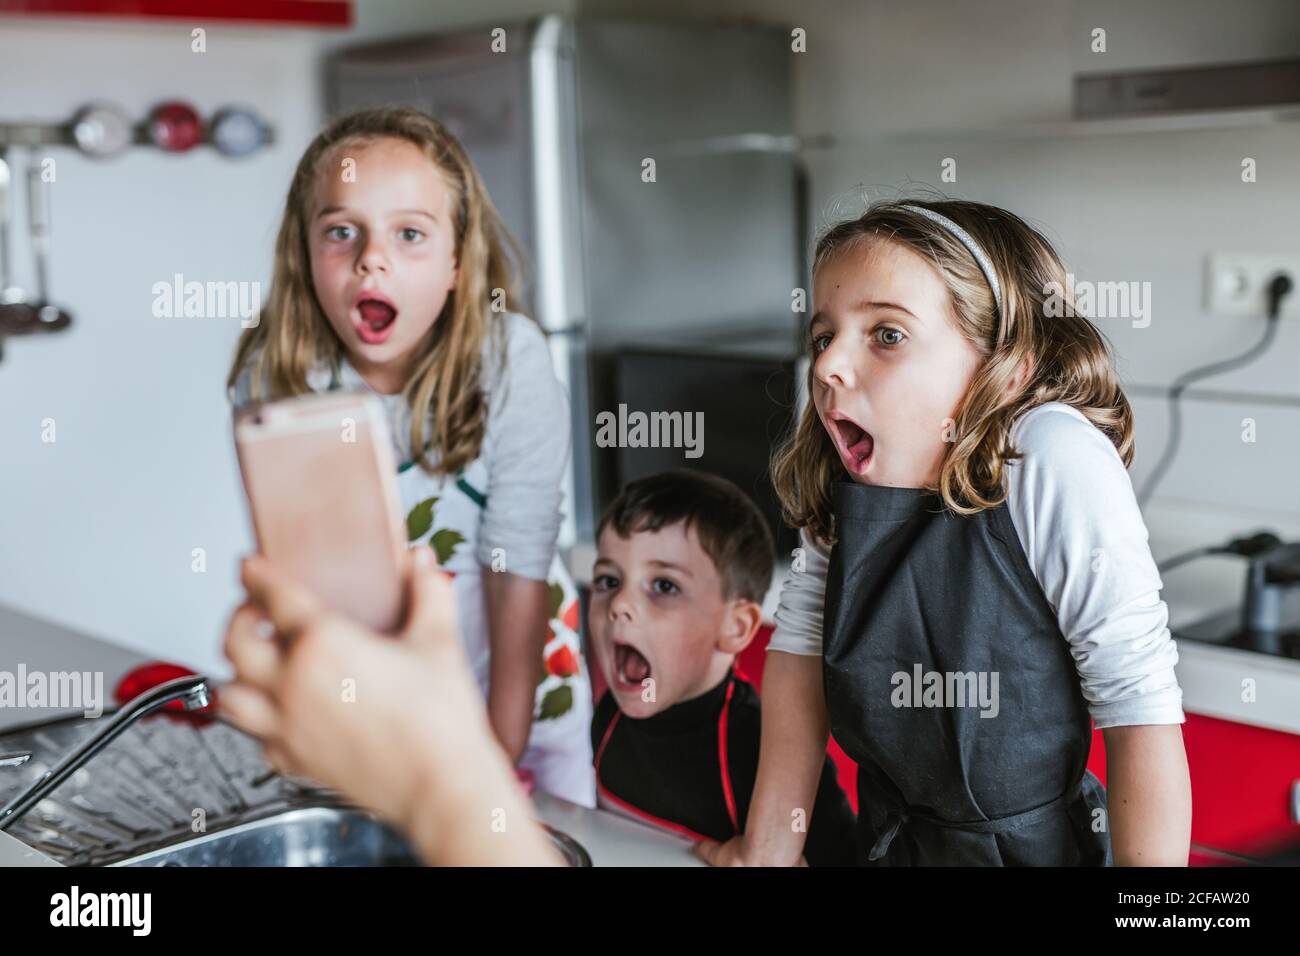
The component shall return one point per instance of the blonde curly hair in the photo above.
(1068, 358)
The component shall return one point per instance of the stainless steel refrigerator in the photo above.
(699, 265)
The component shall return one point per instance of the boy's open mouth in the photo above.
(374, 318)
(630, 666)
(855, 442)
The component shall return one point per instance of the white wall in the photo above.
(98, 527)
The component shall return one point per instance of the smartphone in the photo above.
(320, 478)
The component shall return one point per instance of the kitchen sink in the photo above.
(140, 800)
(311, 836)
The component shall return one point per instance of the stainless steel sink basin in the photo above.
(136, 803)
(311, 836)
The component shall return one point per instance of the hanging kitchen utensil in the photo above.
(16, 316)
(101, 130)
(238, 132)
(49, 316)
(176, 127)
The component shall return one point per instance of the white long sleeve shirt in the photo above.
(1072, 504)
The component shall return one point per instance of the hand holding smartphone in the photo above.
(319, 474)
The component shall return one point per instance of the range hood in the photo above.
(1264, 85)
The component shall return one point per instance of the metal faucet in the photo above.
(192, 691)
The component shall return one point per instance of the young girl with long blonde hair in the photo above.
(975, 585)
(392, 275)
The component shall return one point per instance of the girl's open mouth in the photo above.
(630, 666)
(374, 319)
(854, 442)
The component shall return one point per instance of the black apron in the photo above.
(728, 792)
(914, 590)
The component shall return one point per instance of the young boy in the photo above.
(684, 561)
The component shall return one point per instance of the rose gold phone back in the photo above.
(319, 471)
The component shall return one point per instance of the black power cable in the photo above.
(1279, 288)
(1246, 547)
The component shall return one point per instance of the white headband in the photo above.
(985, 264)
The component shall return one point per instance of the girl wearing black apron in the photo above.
(945, 670)
(954, 595)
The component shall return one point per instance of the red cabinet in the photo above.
(1242, 783)
(296, 13)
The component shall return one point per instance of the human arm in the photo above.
(409, 741)
(528, 444)
(1077, 518)
(792, 748)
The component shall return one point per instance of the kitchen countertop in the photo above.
(1211, 678)
(45, 646)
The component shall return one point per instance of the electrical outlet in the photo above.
(1236, 283)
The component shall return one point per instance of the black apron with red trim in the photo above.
(690, 769)
(923, 607)
(724, 782)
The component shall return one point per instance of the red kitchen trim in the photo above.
(315, 13)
